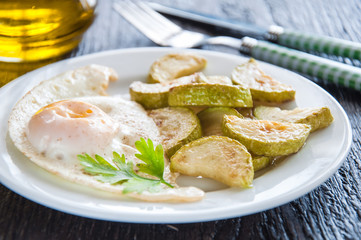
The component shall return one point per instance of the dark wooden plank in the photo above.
(331, 211)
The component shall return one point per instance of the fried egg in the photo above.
(62, 129)
(69, 115)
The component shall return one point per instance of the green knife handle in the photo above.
(312, 42)
(338, 73)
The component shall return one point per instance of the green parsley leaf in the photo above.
(103, 170)
(123, 171)
(153, 159)
(140, 185)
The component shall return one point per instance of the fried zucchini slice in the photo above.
(316, 117)
(260, 162)
(217, 157)
(266, 138)
(177, 126)
(155, 95)
(218, 79)
(150, 96)
(211, 119)
(214, 79)
(263, 87)
(175, 65)
(212, 95)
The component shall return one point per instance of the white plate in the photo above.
(322, 155)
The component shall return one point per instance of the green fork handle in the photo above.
(314, 43)
(335, 72)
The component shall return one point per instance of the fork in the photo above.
(165, 33)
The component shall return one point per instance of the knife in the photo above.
(303, 41)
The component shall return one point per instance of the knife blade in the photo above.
(308, 42)
(245, 29)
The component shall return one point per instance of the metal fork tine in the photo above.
(161, 20)
(143, 19)
(128, 14)
(148, 20)
(156, 27)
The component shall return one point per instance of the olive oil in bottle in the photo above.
(36, 32)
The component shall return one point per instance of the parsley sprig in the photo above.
(123, 171)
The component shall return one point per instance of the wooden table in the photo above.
(331, 211)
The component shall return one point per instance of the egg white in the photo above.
(87, 85)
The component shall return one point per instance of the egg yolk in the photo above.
(69, 128)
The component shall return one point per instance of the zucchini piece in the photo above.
(201, 78)
(177, 126)
(316, 117)
(196, 109)
(175, 65)
(260, 162)
(211, 119)
(218, 79)
(212, 95)
(266, 138)
(155, 95)
(217, 157)
(149, 95)
(263, 87)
